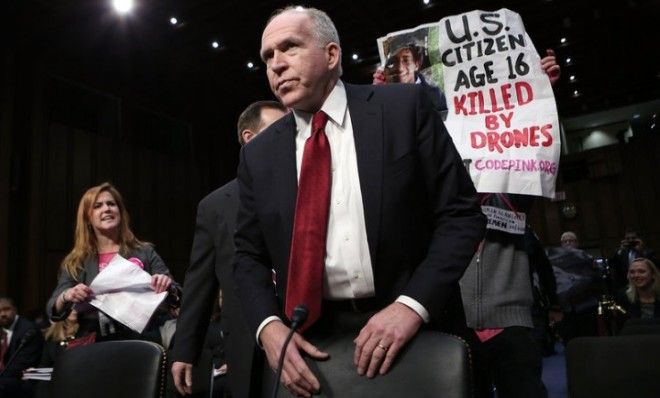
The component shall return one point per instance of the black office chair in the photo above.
(613, 367)
(130, 368)
(433, 364)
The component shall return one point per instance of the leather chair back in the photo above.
(129, 368)
(433, 364)
(613, 367)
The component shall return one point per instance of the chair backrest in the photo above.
(433, 364)
(620, 366)
(130, 368)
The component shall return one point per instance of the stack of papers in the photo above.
(37, 374)
(123, 291)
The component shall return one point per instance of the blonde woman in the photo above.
(103, 231)
(57, 337)
(643, 291)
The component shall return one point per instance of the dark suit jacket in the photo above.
(29, 355)
(210, 268)
(422, 217)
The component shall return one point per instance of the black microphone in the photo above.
(29, 335)
(298, 317)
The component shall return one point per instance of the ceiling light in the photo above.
(355, 57)
(250, 65)
(572, 78)
(123, 6)
(174, 21)
(215, 44)
(426, 2)
(568, 61)
(562, 40)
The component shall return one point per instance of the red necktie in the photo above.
(310, 225)
(3, 348)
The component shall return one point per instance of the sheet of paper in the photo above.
(122, 290)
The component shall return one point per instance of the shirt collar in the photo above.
(11, 327)
(334, 106)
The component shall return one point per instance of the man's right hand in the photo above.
(182, 374)
(296, 375)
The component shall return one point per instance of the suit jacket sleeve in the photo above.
(199, 291)
(31, 351)
(458, 225)
(252, 268)
(64, 281)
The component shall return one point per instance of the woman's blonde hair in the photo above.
(85, 244)
(631, 291)
(58, 331)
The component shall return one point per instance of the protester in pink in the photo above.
(102, 232)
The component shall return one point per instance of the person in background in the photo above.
(570, 240)
(642, 295)
(21, 343)
(210, 267)
(103, 231)
(631, 248)
(57, 337)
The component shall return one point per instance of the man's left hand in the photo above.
(382, 338)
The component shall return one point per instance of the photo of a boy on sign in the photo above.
(405, 59)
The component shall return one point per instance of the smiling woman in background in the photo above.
(642, 298)
(103, 231)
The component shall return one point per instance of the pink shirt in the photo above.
(105, 258)
(487, 334)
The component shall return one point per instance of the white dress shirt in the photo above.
(348, 270)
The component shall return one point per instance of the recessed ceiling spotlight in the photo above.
(576, 93)
(215, 44)
(562, 40)
(250, 65)
(355, 56)
(426, 2)
(174, 21)
(569, 61)
(123, 6)
(572, 78)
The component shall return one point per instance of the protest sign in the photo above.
(502, 113)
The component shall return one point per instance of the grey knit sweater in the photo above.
(496, 287)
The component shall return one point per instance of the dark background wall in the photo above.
(87, 97)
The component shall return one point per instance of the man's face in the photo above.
(7, 314)
(569, 241)
(407, 66)
(631, 239)
(300, 72)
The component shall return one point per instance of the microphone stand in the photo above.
(297, 318)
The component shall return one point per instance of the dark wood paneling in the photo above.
(621, 189)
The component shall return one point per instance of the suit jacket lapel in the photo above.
(91, 267)
(368, 132)
(285, 186)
